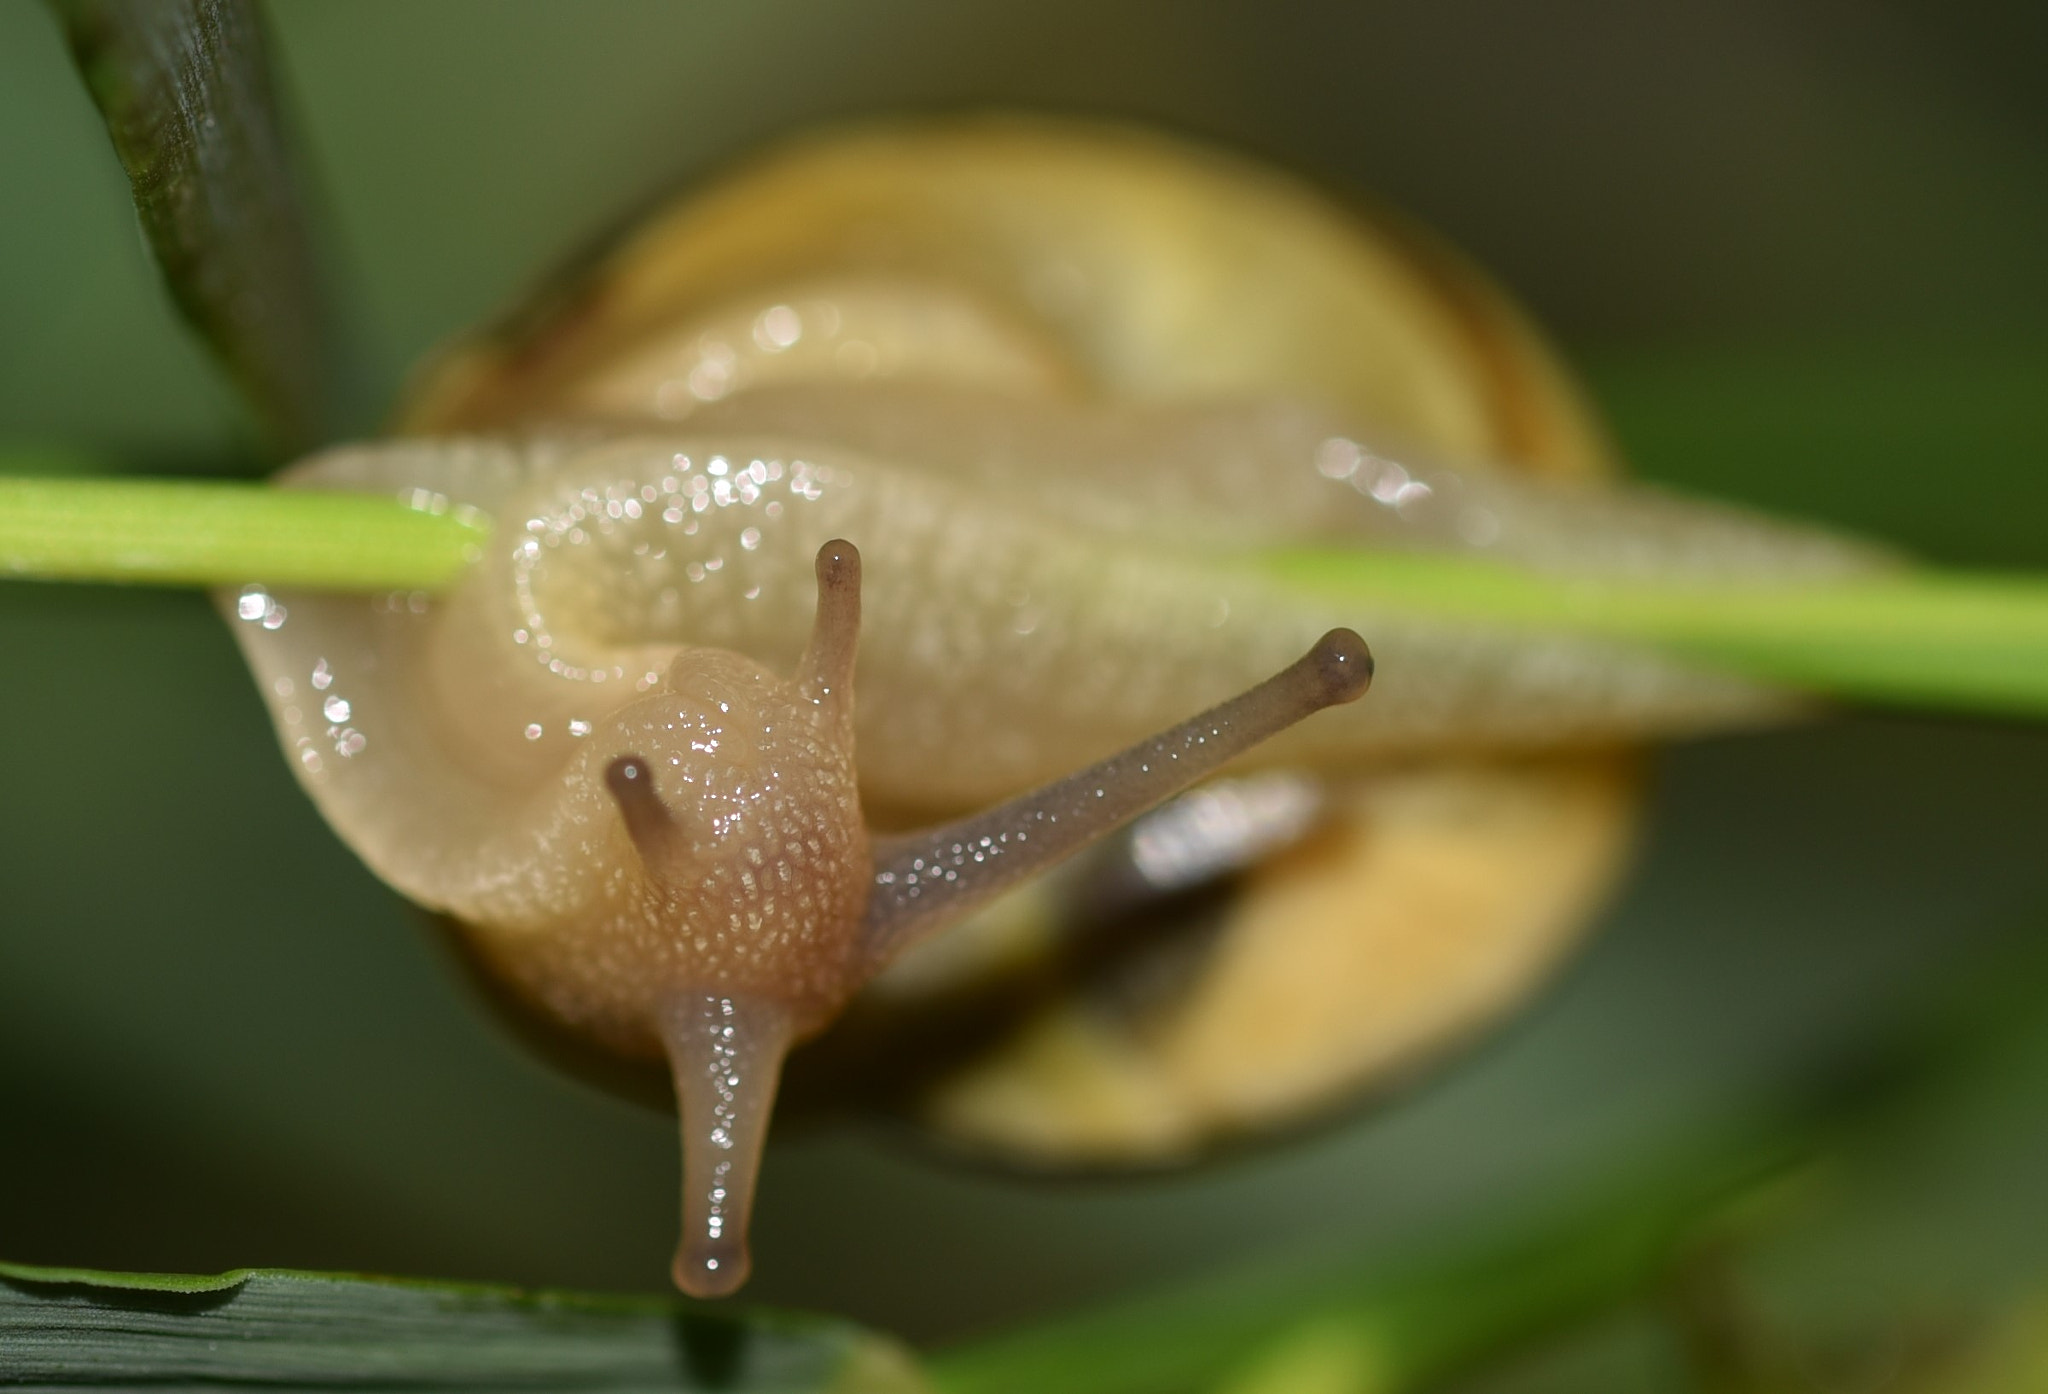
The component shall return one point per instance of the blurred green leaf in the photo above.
(1933, 445)
(1353, 1320)
(190, 103)
(1359, 1324)
(66, 1328)
(2010, 1357)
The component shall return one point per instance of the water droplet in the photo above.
(777, 328)
(1338, 458)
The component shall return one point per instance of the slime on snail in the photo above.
(731, 899)
(621, 753)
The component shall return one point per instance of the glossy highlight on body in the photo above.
(621, 753)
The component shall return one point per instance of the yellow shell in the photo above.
(1068, 262)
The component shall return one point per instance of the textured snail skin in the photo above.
(684, 869)
(1026, 614)
(622, 752)
(490, 754)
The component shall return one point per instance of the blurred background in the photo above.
(1795, 246)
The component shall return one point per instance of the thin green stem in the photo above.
(188, 533)
(1947, 640)
(1973, 642)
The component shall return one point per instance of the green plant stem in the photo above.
(211, 534)
(1974, 643)
(1916, 638)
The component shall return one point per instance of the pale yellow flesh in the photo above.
(1047, 384)
(1008, 640)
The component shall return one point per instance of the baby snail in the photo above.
(1049, 379)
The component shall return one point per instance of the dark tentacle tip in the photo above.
(838, 566)
(630, 778)
(1342, 665)
(712, 1270)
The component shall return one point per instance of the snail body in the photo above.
(1050, 382)
(693, 878)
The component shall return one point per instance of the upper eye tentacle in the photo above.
(825, 672)
(926, 880)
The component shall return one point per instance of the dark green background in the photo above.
(1797, 247)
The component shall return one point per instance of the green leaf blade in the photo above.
(62, 1328)
(192, 107)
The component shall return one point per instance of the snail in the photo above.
(1005, 397)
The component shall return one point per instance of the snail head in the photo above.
(766, 903)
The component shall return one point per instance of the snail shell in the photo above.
(1048, 379)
